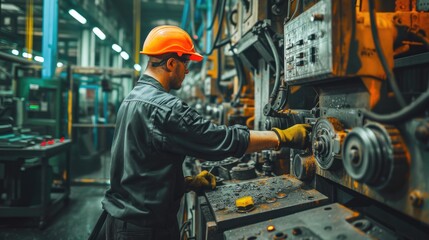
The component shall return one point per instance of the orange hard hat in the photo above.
(170, 39)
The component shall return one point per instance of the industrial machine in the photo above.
(357, 71)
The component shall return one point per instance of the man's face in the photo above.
(179, 73)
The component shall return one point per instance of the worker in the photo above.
(154, 132)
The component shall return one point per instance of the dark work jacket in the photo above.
(154, 132)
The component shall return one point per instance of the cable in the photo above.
(218, 33)
(241, 77)
(390, 76)
(402, 114)
(237, 62)
(219, 71)
(273, 94)
(214, 16)
(223, 42)
(183, 227)
(288, 10)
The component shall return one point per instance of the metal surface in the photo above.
(422, 5)
(412, 60)
(332, 221)
(273, 197)
(262, 93)
(254, 11)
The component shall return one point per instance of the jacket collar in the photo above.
(146, 79)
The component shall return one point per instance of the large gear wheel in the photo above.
(376, 155)
(327, 137)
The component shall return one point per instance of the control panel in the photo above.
(328, 41)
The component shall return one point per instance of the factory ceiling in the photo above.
(109, 15)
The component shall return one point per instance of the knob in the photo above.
(316, 17)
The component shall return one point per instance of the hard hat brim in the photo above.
(193, 56)
(196, 57)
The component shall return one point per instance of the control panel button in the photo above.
(316, 17)
(300, 55)
(271, 228)
(300, 63)
(312, 36)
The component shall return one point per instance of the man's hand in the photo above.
(294, 137)
(204, 180)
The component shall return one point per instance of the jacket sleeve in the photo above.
(188, 133)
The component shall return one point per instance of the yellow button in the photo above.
(271, 228)
(244, 202)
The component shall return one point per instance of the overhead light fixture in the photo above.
(39, 59)
(27, 55)
(60, 64)
(137, 67)
(125, 55)
(15, 52)
(77, 16)
(99, 33)
(116, 47)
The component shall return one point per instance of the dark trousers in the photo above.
(117, 229)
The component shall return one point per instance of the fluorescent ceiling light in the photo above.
(116, 47)
(99, 33)
(77, 16)
(15, 52)
(27, 55)
(60, 64)
(10, 7)
(125, 55)
(137, 67)
(39, 58)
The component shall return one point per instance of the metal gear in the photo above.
(327, 137)
(376, 155)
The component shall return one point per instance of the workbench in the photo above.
(47, 206)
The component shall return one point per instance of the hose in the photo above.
(402, 114)
(241, 77)
(277, 82)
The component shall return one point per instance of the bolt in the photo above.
(416, 198)
(318, 146)
(422, 132)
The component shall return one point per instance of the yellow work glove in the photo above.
(294, 137)
(204, 180)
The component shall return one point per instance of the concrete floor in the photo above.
(75, 221)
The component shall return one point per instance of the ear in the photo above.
(170, 64)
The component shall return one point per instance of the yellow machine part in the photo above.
(244, 202)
